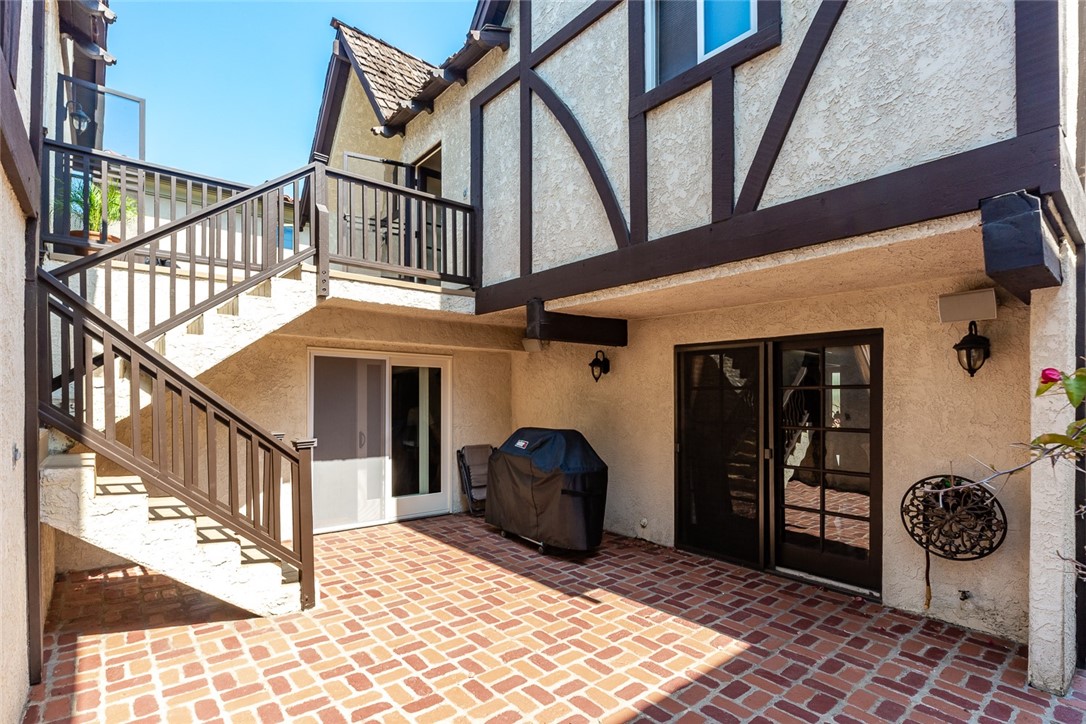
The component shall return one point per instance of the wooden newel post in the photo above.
(320, 227)
(304, 532)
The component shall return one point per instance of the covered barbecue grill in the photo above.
(548, 486)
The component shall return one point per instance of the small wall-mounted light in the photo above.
(80, 119)
(973, 350)
(600, 365)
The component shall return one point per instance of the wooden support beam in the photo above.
(558, 327)
(1017, 256)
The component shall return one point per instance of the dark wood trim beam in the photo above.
(780, 120)
(35, 604)
(723, 143)
(591, 161)
(17, 156)
(639, 163)
(498, 86)
(1037, 64)
(943, 187)
(476, 150)
(558, 327)
(526, 236)
(1016, 254)
(584, 20)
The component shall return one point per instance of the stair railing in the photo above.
(93, 198)
(163, 425)
(172, 274)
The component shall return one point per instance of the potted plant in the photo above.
(88, 208)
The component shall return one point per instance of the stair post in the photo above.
(304, 531)
(320, 227)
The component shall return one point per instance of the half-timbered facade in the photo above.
(768, 201)
(775, 220)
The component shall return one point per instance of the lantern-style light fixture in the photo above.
(600, 365)
(973, 350)
(80, 119)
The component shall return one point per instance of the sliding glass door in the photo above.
(383, 444)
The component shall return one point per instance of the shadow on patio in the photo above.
(443, 620)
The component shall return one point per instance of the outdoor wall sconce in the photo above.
(600, 365)
(79, 117)
(973, 350)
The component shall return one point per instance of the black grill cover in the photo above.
(548, 486)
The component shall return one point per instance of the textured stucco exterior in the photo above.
(549, 17)
(354, 134)
(1052, 532)
(449, 124)
(936, 419)
(680, 180)
(13, 629)
(583, 74)
(881, 101)
(270, 379)
(501, 189)
(568, 220)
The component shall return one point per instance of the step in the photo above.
(120, 485)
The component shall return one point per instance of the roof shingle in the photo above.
(394, 76)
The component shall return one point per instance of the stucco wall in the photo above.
(450, 123)
(900, 84)
(354, 134)
(568, 220)
(270, 379)
(549, 17)
(936, 418)
(13, 630)
(680, 150)
(501, 189)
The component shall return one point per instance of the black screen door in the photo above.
(827, 450)
(719, 492)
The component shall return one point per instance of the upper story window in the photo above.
(682, 33)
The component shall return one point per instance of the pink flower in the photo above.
(1050, 374)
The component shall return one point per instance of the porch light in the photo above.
(973, 350)
(79, 117)
(600, 365)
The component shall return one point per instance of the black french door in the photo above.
(779, 453)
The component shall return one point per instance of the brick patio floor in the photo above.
(441, 620)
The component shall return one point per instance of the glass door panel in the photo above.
(419, 460)
(826, 500)
(349, 462)
(720, 446)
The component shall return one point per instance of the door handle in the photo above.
(361, 439)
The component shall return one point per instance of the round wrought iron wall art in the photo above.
(954, 518)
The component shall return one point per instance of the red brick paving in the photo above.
(443, 620)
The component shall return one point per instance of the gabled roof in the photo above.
(390, 75)
(399, 85)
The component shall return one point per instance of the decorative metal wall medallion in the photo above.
(954, 518)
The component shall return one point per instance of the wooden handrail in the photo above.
(400, 190)
(144, 165)
(181, 447)
(179, 224)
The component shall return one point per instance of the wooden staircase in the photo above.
(203, 478)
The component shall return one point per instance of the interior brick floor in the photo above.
(443, 620)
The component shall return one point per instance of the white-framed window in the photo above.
(679, 34)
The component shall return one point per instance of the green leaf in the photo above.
(1075, 387)
(1052, 438)
(1043, 388)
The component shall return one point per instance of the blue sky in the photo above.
(233, 88)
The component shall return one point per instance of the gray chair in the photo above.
(473, 461)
